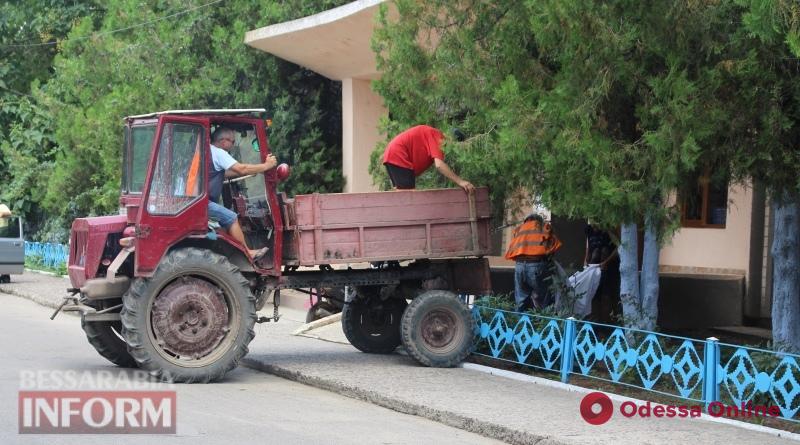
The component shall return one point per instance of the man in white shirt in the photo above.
(224, 165)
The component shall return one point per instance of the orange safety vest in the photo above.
(192, 187)
(531, 239)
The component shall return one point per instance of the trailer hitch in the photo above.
(276, 301)
(72, 303)
(70, 299)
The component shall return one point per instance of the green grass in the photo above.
(35, 262)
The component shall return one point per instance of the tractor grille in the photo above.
(77, 251)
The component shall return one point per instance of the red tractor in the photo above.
(159, 288)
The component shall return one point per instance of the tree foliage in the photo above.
(601, 109)
(135, 57)
(28, 149)
(28, 32)
(605, 109)
(769, 122)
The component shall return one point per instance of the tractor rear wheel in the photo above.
(372, 325)
(192, 320)
(437, 329)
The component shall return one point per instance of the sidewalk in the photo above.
(525, 410)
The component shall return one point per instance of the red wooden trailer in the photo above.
(400, 225)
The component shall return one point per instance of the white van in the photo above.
(12, 245)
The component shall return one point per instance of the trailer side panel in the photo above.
(398, 225)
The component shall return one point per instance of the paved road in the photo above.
(249, 407)
(526, 411)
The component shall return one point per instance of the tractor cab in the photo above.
(166, 162)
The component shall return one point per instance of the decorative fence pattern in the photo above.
(702, 371)
(51, 255)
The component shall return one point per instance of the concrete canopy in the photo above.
(334, 43)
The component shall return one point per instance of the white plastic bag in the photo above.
(585, 284)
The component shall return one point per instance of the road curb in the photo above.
(35, 298)
(471, 424)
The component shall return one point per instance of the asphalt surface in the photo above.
(248, 407)
(514, 410)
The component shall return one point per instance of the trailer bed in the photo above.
(379, 226)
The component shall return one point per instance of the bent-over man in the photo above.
(412, 152)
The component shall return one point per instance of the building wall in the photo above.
(715, 250)
(361, 110)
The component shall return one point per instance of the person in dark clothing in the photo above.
(600, 249)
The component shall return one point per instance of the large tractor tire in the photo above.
(192, 320)
(106, 338)
(372, 325)
(437, 329)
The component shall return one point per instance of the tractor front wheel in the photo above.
(106, 338)
(192, 320)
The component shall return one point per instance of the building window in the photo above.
(704, 203)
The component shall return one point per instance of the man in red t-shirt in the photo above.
(411, 152)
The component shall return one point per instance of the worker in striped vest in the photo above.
(531, 248)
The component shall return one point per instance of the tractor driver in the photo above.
(224, 165)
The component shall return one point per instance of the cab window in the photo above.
(179, 177)
(136, 153)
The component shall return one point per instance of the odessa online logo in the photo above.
(596, 408)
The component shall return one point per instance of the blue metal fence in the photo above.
(50, 255)
(701, 371)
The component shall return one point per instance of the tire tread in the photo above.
(133, 306)
(107, 344)
(416, 310)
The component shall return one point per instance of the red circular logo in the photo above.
(588, 403)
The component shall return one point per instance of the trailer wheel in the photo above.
(192, 320)
(437, 329)
(372, 325)
(5, 278)
(106, 338)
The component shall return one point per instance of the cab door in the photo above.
(268, 182)
(12, 246)
(175, 197)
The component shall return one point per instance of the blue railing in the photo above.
(702, 371)
(50, 255)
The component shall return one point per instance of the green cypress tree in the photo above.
(600, 109)
(766, 81)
